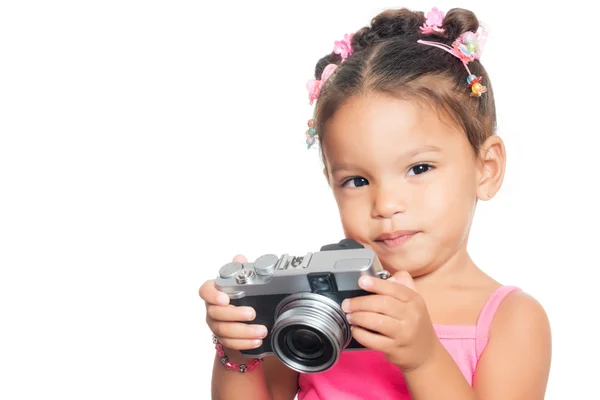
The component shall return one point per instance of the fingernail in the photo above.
(249, 314)
(364, 281)
(346, 305)
(261, 331)
(257, 343)
(349, 318)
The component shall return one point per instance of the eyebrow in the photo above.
(408, 154)
(420, 150)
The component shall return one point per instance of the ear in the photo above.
(491, 167)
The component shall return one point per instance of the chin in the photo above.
(414, 266)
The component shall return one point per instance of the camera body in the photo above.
(298, 299)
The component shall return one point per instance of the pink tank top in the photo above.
(366, 374)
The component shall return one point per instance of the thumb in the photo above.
(404, 278)
(240, 258)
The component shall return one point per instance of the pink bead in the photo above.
(311, 123)
(231, 365)
(234, 366)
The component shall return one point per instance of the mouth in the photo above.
(395, 239)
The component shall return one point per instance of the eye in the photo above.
(356, 182)
(420, 169)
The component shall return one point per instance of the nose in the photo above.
(388, 201)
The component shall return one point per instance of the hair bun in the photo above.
(458, 21)
(389, 24)
(392, 23)
(331, 58)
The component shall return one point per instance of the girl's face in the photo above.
(405, 181)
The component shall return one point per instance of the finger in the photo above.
(371, 340)
(240, 344)
(237, 330)
(240, 258)
(386, 287)
(404, 278)
(209, 293)
(378, 323)
(375, 303)
(230, 313)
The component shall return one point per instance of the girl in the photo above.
(405, 117)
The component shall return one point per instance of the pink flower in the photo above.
(344, 47)
(461, 51)
(327, 72)
(314, 86)
(314, 89)
(434, 21)
(479, 39)
(468, 37)
(435, 17)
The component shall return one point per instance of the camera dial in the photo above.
(228, 270)
(265, 264)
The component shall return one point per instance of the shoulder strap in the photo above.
(487, 316)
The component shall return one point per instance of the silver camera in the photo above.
(298, 299)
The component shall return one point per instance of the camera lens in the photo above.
(306, 344)
(309, 333)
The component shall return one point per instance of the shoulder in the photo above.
(520, 312)
(516, 360)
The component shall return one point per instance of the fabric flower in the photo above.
(314, 89)
(462, 52)
(344, 47)
(314, 86)
(327, 72)
(434, 21)
(481, 41)
(472, 43)
(468, 37)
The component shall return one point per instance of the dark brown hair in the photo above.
(387, 59)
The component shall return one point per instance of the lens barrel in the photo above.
(309, 333)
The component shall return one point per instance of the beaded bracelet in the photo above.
(231, 365)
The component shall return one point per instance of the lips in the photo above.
(394, 235)
(395, 239)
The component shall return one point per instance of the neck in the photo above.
(457, 270)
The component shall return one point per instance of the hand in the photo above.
(225, 320)
(393, 321)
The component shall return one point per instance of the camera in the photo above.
(298, 299)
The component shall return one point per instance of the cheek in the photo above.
(451, 198)
(353, 214)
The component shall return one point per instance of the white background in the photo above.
(145, 143)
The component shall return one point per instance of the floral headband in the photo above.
(467, 48)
